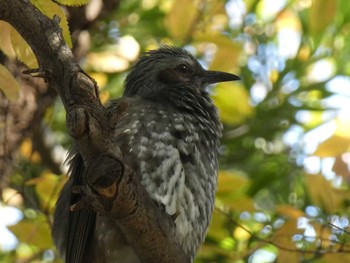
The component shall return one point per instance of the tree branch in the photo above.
(112, 186)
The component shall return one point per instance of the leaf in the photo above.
(73, 2)
(8, 84)
(35, 232)
(324, 195)
(334, 146)
(229, 181)
(289, 211)
(228, 52)
(232, 191)
(283, 235)
(288, 256)
(321, 15)
(47, 186)
(341, 168)
(338, 143)
(50, 9)
(180, 19)
(336, 257)
(106, 61)
(100, 78)
(288, 19)
(233, 103)
(5, 40)
(23, 51)
(217, 226)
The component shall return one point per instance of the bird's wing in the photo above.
(81, 223)
(72, 230)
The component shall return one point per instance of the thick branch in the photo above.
(116, 192)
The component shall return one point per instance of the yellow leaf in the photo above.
(304, 53)
(289, 211)
(35, 232)
(232, 191)
(288, 256)
(336, 257)
(8, 84)
(73, 2)
(343, 127)
(180, 19)
(315, 119)
(23, 51)
(5, 40)
(26, 148)
(101, 78)
(12, 197)
(47, 186)
(333, 146)
(241, 233)
(231, 182)
(50, 9)
(340, 167)
(27, 151)
(106, 61)
(283, 235)
(322, 13)
(338, 143)
(288, 19)
(324, 195)
(104, 96)
(227, 54)
(233, 103)
(323, 232)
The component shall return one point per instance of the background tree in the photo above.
(284, 177)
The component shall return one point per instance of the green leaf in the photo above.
(8, 84)
(50, 9)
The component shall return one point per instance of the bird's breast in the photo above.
(171, 156)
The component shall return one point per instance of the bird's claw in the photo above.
(87, 199)
(37, 73)
(83, 202)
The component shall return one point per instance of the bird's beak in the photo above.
(211, 77)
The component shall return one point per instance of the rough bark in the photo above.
(22, 118)
(113, 192)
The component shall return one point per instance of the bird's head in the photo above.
(168, 67)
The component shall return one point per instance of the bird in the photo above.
(169, 135)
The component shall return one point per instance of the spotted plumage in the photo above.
(169, 134)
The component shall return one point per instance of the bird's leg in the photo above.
(102, 177)
(82, 203)
(88, 199)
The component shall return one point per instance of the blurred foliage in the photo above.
(284, 176)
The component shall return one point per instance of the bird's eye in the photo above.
(183, 68)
